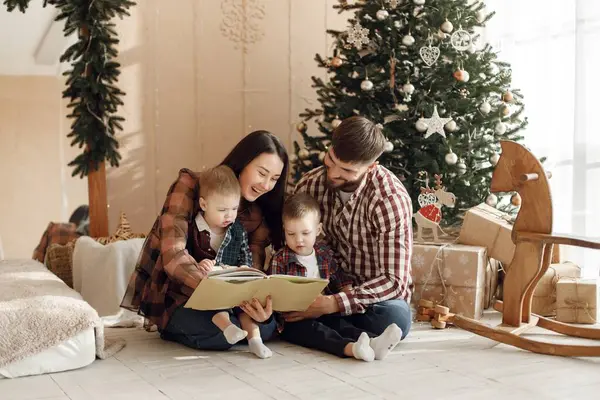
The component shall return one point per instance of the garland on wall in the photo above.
(91, 81)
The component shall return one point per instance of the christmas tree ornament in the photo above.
(336, 122)
(463, 92)
(472, 49)
(397, 24)
(451, 158)
(382, 15)
(366, 85)
(493, 69)
(303, 154)
(450, 126)
(421, 125)
(322, 156)
(480, 15)
(446, 27)
(429, 54)
(435, 124)
(461, 75)
(307, 163)
(491, 200)
(419, 2)
(494, 158)
(354, 75)
(500, 128)
(293, 158)
(408, 88)
(401, 108)
(461, 168)
(505, 111)
(461, 39)
(301, 127)
(515, 200)
(441, 35)
(388, 147)
(336, 62)
(485, 108)
(358, 36)
(431, 201)
(393, 3)
(507, 97)
(408, 40)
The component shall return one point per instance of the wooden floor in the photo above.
(429, 364)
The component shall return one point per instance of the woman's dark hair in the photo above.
(270, 203)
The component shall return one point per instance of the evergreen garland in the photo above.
(91, 81)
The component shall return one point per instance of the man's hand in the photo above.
(256, 311)
(321, 306)
(205, 266)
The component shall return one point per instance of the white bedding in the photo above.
(73, 353)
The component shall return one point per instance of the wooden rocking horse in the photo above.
(518, 170)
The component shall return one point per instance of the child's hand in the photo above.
(346, 288)
(206, 265)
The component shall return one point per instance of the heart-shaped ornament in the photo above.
(429, 54)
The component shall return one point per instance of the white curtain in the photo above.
(554, 50)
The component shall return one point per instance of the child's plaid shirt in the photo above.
(285, 262)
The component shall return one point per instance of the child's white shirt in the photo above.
(215, 239)
(310, 263)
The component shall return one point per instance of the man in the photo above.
(366, 215)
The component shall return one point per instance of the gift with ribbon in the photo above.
(455, 276)
(544, 295)
(486, 226)
(577, 301)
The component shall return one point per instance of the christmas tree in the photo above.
(444, 100)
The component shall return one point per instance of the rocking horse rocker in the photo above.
(518, 170)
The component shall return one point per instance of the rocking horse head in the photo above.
(445, 198)
(519, 170)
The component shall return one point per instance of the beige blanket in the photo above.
(39, 311)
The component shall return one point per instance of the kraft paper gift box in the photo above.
(577, 301)
(544, 295)
(490, 228)
(453, 275)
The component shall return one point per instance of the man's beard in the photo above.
(347, 186)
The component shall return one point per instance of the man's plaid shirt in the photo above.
(285, 262)
(371, 235)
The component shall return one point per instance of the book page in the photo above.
(287, 295)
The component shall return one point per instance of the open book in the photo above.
(228, 288)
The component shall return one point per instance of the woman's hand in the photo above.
(206, 265)
(256, 311)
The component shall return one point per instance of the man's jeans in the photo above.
(195, 329)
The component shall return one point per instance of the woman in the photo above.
(166, 274)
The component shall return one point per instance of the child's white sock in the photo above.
(384, 343)
(362, 350)
(258, 348)
(233, 334)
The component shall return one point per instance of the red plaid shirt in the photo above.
(285, 262)
(371, 235)
(55, 233)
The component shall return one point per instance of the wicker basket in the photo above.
(59, 260)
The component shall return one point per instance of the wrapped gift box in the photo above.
(454, 275)
(490, 228)
(577, 301)
(544, 295)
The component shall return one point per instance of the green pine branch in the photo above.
(91, 88)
